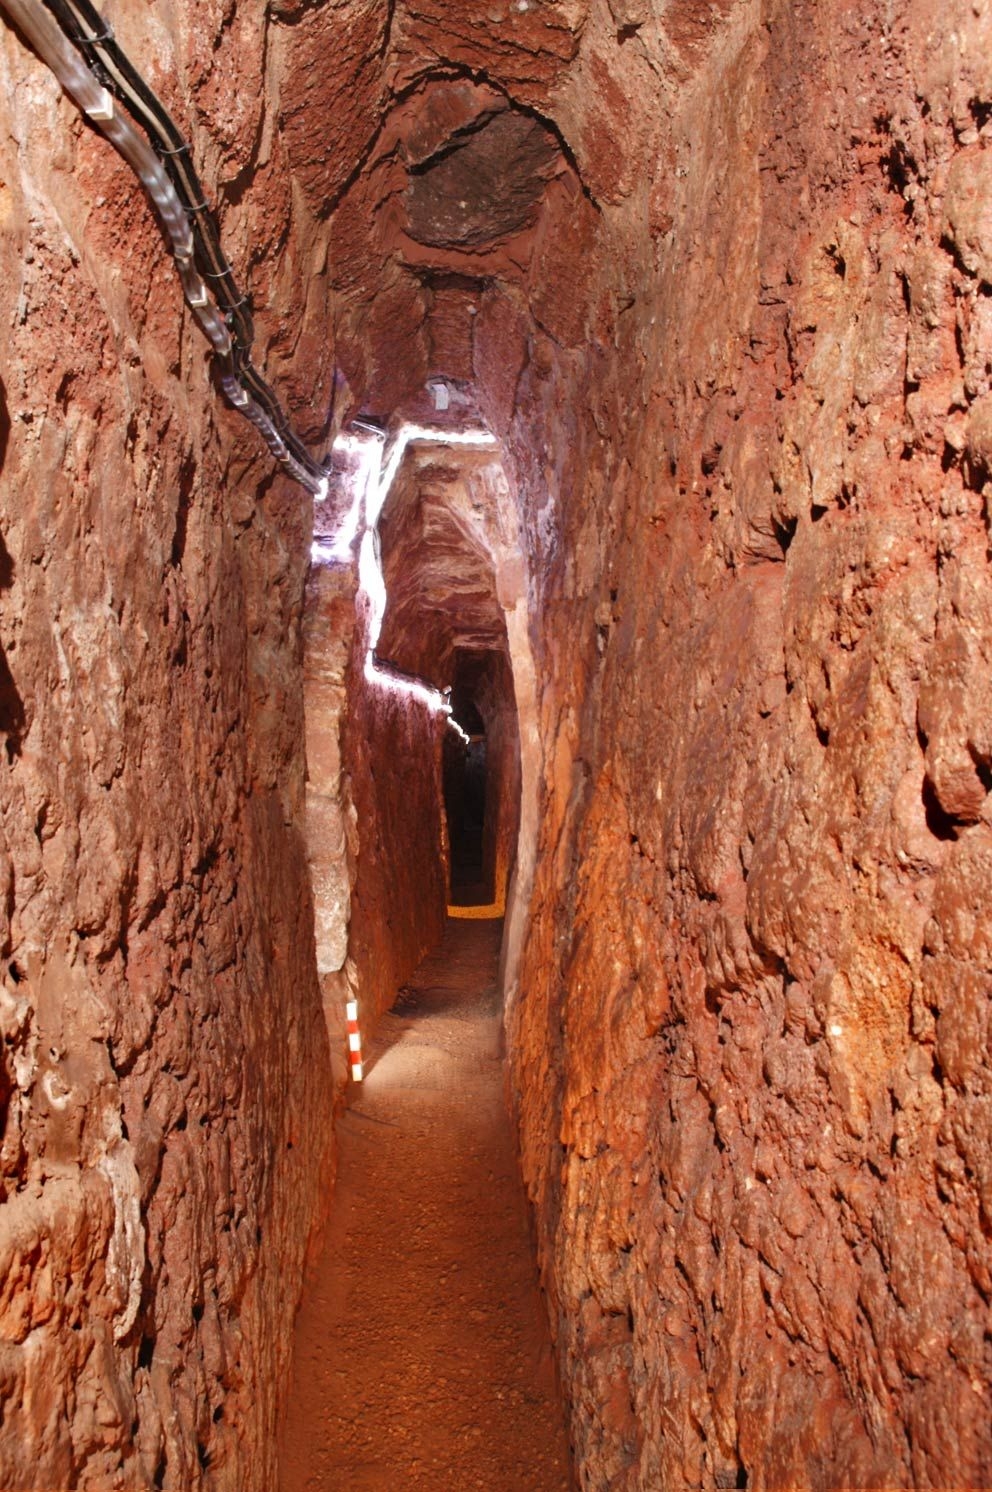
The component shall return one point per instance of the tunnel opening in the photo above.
(414, 755)
(465, 812)
(413, 724)
(479, 777)
(715, 281)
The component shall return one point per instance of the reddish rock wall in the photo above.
(331, 816)
(726, 305)
(163, 1051)
(733, 336)
(749, 1044)
(393, 753)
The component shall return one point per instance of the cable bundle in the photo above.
(73, 40)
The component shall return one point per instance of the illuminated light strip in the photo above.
(368, 454)
(372, 482)
(409, 688)
(354, 1040)
(367, 477)
(370, 576)
(424, 435)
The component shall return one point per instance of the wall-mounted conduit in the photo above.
(73, 40)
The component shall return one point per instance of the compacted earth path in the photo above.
(422, 1354)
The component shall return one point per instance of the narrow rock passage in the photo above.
(422, 1354)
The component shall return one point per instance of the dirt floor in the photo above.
(422, 1354)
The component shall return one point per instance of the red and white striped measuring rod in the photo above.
(354, 1040)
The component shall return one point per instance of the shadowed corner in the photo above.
(12, 716)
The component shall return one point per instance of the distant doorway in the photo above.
(481, 779)
(465, 808)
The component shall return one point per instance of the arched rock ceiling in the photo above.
(462, 156)
(441, 554)
(458, 208)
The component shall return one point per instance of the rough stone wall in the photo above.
(331, 817)
(393, 755)
(163, 1052)
(739, 355)
(750, 1039)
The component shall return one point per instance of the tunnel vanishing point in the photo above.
(612, 549)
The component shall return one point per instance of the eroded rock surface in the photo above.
(725, 305)
(739, 361)
(750, 1039)
(163, 1053)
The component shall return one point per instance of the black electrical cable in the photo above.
(86, 29)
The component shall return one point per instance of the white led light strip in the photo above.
(373, 479)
